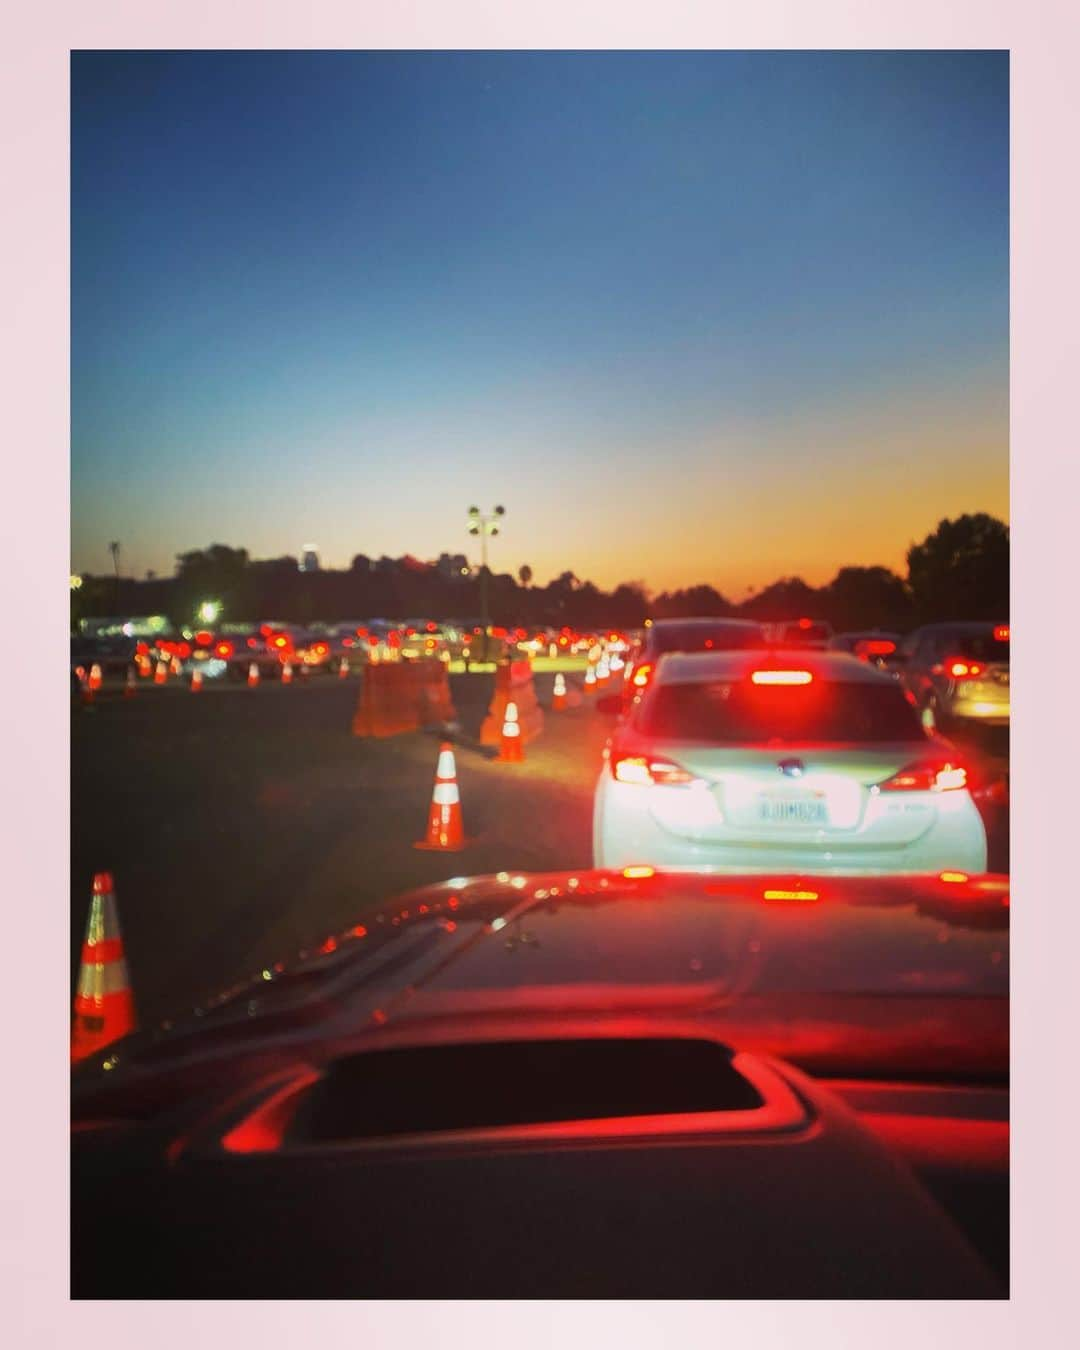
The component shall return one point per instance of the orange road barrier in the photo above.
(286, 673)
(196, 681)
(104, 1003)
(558, 694)
(513, 684)
(343, 668)
(253, 675)
(511, 751)
(161, 674)
(130, 685)
(590, 681)
(399, 696)
(445, 832)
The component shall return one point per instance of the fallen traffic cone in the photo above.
(343, 669)
(196, 681)
(104, 1004)
(590, 681)
(129, 685)
(445, 831)
(558, 694)
(511, 750)
(161, 674)
(286, 673)
(253, 675)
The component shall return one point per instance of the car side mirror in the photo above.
(610, 705)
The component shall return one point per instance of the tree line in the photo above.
(959, 571)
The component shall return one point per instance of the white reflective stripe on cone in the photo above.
(446, 767)
(100, 978)
(445, 794)
(511, 729)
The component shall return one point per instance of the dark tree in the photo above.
(961, 570)
(866, 597)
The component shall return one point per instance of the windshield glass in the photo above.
(705, 637)
(729, 712)
(980, 647)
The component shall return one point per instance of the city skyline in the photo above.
(692, 317)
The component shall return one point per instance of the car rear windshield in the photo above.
(703, 637)
(734, 712)
(979, 647)
(813, 632)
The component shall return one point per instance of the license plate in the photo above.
(792, 811)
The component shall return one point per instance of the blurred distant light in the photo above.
(209, 610)
(75, 580)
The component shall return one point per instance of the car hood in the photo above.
(829, 972)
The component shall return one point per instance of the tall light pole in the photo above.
(484, 525)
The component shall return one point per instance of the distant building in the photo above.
(453, 566)
(309, 559)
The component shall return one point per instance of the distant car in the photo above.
(871, 645)
(750, 761)
(685, 635)
(957, 672)
(574, 1085)
(806, 634)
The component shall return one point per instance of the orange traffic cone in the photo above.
(511, 750)
(130, 685)
(104, 1004)
(161, 674)
(590, 681)
(603, 673)
(145, 667)
(445, 831)
(343, 669)
(286, 673)
(94, 682)
(196, 681)
(175, 667)
(558, 694)
(253, 675)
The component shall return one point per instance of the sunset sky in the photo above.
(691, 317)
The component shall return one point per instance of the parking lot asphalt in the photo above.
(242, 826)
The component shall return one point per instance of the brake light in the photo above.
(781, 677)
(790, 895)
(806, 623)
(645, 771)
(203, 638)
(930, 776)
(321, 648)
(1001, 633)
(639, 872)
(280, 641)
(252, 642)
(224, 649)
(960, 669)
(642, 675)
(874, 647)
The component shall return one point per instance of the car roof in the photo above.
(705, 622)
(833, 667)
(963, 626)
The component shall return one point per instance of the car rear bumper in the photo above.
(625, 833)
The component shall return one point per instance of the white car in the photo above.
(757, 761)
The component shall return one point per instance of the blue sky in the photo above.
(691, 316)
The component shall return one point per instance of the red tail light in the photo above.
(642, 675)
(927, 776)
(252, 642)
(646, 770)
(203, 638)
(224, 650)
(865, 647)
(1001, 632)
(960, 669)
(321, 648)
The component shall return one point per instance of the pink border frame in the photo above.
(1045, 486)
